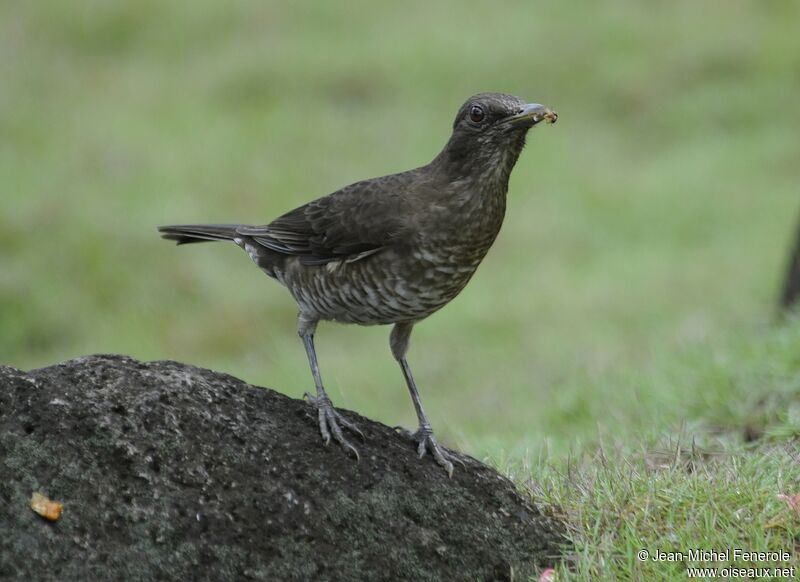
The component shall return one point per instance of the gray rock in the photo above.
(171, 472)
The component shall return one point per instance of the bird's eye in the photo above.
(476, 114)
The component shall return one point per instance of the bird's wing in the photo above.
(350, 224)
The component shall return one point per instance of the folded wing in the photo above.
(350, 224)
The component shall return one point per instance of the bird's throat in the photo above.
(485, 161)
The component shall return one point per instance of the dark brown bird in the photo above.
(395, 249)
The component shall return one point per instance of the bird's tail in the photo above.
(194, 233)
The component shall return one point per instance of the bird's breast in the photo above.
(405, 282)
(397, 285)
(459, 233)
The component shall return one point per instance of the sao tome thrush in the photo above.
(394, 249)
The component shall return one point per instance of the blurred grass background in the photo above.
(647, 229)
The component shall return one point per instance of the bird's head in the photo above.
(489, 133)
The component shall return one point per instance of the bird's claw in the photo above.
(426, 442)
(330, 421)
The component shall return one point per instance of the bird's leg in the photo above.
(426, 442)
(329, 418)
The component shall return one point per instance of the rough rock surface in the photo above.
(171, 472)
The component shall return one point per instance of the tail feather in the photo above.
(194, 233)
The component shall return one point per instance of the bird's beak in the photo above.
(530, 115)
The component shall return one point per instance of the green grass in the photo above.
(710, 479)
(628, 302)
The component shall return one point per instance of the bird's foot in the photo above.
(426, 442)
(330, 423)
